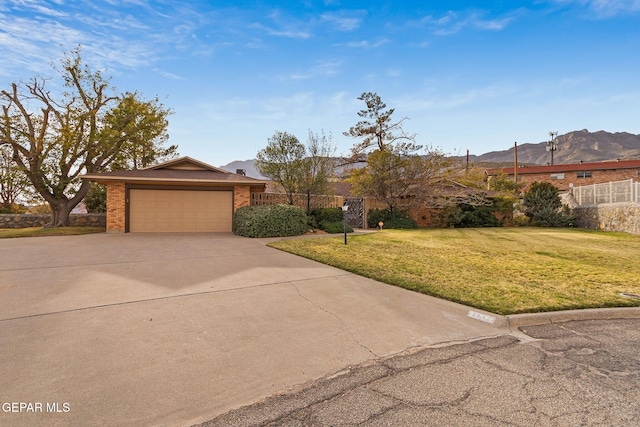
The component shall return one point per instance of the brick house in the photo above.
(181, 195)
(566, 176)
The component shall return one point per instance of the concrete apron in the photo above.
(176, 329)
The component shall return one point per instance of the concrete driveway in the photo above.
(175, 329)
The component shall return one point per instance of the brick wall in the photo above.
(597, 177)
(241, 196)
(116, 207)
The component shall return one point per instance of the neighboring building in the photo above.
(181, 195)
(564, 177)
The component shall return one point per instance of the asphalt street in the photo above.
(577, 373)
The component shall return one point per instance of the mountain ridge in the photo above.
(572, 147)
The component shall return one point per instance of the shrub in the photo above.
(467, 216)
(96, 198)
(327, 214)
(391, 219)
(544, 207)
(335, 227)
(269, 221)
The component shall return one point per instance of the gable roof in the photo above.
(183, 170)
(622, 164)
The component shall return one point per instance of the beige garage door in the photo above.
(179, 210)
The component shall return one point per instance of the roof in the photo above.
(612, 165)
(183, 170)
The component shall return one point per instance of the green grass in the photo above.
(6, 233)
(502, 270)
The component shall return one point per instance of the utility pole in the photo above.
(552, 144)
(467, 168)
(515, 162)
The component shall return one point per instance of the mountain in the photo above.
(247, 165)
(573, 147)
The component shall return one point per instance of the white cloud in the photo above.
(342, 22)
(366, 44)
(603, 9)
(453, 22)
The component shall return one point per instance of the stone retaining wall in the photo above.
(610, 217)
(29, 220)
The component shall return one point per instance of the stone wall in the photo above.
(29, 220)
(610, 217)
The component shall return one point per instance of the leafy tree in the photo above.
(13, 183)
(282, 160)
(504, 184)
(378, 130)
(96, 198)
(397, 172)
(85, 129)
(297, 168)
(544, 207)
(401, 180)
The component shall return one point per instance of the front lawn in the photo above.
(501, 270)
(40, 231)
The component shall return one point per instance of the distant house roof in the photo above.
(613, 165)
(183, 170)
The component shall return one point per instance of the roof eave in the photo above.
(101, 179)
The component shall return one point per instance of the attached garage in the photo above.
(182, 195)
(180, 210)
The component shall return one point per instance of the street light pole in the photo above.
(345, 208)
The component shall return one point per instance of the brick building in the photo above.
(565, 176)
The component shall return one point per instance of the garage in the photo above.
(180, 211)
(180, 195)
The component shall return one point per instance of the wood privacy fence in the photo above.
(299, 200)
(610, 192)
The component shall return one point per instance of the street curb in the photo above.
(517, 320)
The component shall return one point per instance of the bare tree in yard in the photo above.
(85, 129)
(297, 168)
(319, 166)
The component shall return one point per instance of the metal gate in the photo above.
(355, 213)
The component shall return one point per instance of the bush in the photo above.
(335, 227)
(467, 216)
(327, 214)
(96, 198)
(269, 221)
(544, 207)
(391, 219)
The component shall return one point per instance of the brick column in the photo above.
(116, 207)
(241, 196)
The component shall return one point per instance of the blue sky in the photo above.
(469, 75)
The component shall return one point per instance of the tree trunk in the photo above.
(61, 208)
(60, 211)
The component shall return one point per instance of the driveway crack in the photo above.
(345, 326)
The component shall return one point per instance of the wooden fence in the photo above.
(299, 200)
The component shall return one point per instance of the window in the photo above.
(557, 176)
(585, 174)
